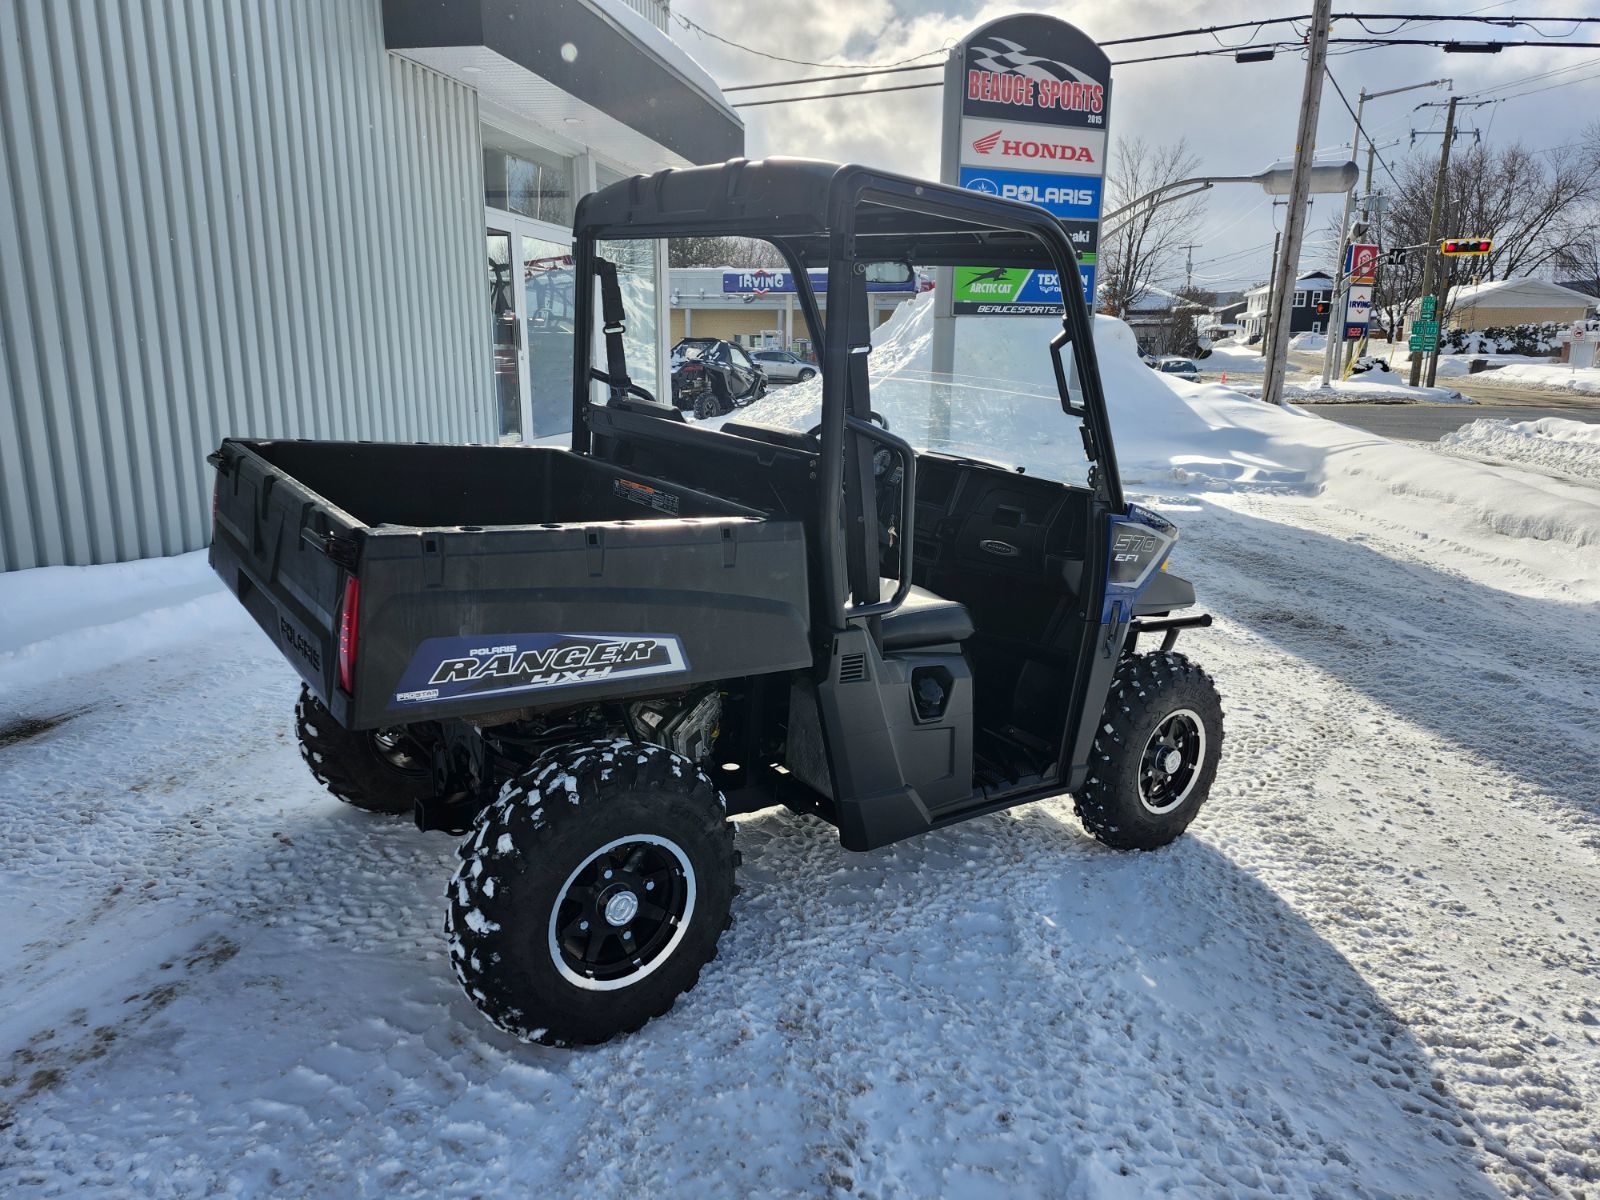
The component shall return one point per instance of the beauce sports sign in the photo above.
(1026, 116)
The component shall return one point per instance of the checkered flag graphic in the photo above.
(1006, 57)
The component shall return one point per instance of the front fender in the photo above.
(1164, 593)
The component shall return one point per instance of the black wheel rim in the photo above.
(1172, 760)
(622, 912)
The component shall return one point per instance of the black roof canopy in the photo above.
(798, 200)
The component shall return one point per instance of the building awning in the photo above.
(593, 69)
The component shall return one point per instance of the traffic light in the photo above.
(1465, 247)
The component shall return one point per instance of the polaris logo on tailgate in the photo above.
(455, 668)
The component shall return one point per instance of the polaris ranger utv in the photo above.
(588, 659)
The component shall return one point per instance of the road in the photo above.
(1430, 422)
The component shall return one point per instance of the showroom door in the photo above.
(531, 300)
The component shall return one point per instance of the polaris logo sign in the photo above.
(1027, 106)
(456, 668)
(1065, 196)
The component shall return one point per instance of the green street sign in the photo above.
(1430, 304)
(1425, 328)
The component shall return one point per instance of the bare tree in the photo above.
(1534, 205)
(722, 252)
(1143, 249)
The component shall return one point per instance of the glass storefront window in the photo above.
(526, 179)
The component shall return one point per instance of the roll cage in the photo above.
(823, 215)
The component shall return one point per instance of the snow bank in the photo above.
(1461, 364)
(1364, 389)
(56, 620)
(1233, 358)
(1001, 404)
(1553, 445)
(1308, 342)
(1550, 377)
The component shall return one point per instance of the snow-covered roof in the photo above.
(1318, 276)
(1518, 293)
(1158, 299)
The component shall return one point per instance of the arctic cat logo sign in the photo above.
(979, 289)
(458, 668)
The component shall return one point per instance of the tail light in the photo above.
(349, 632)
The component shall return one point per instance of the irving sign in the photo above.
(1027, 101)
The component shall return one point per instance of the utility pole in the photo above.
(1431, 250)
(1336, 310)
(1341, 289)
(1299, 189)
(1272, 306)
(1188, 265)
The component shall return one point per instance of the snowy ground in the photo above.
(1373, 968)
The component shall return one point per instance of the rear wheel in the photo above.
(706, 406)
(1155, 754)
(592, 892)
(379, 770)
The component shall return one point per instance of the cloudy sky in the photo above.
(1237, 117)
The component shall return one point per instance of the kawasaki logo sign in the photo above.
(503, 664)
(1027, 105)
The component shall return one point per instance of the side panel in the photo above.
(456, 623)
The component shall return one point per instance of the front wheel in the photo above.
(807, 375)
(592, 892)
(1155, 754)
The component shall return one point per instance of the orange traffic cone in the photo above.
(1224, 377)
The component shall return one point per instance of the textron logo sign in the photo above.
(458, 668)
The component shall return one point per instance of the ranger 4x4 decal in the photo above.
(453, 668)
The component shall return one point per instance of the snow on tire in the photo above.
(1155, 754)
(591, 892)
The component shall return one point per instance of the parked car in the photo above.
(1183, 368)
(711, 377)
(782, 366)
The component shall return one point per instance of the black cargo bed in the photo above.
(500, 577)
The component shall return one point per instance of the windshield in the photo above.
(998, 405)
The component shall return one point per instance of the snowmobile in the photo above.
(586, 660)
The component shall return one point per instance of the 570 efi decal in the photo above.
(455, 668)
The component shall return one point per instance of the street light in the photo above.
(1325, 177)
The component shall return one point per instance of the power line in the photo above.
(1511, 83)
(799, 62)
(1357, 43)
(751, 87)
(904, 87)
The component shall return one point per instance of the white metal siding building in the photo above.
(267, 218)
